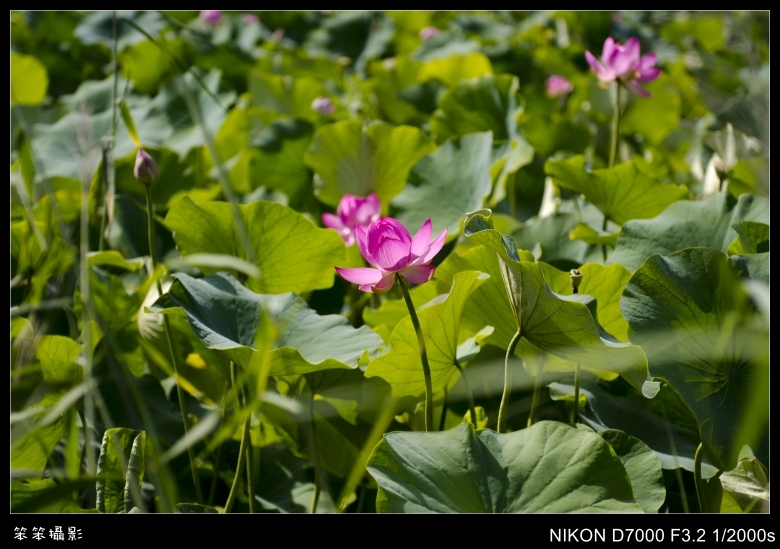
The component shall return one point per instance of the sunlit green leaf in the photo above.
(622, 193)
(642, 466)
(355, 160)
(29, 80)
(402, 368)
(291, 252)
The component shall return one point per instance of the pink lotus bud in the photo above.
(212, 17)
(323, 105)
(250, 18)
(145, 169)
(428, 33)
(558, 86)
(623, 64)
(352, 212)
(391, 250)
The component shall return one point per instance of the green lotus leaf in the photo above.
(642, 466)
(447, 184)
(352, 160)
(548, 468)
(440, 322)
(226, 316)
(292, 253)
(693, 318)
(622, 193)
(688, 224)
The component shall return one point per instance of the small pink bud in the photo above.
(250, 18)
(212, 17)
(557, 86)
(428, 33)
(145, 169)
(323, 105)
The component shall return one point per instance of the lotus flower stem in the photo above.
(217, 458)
(604, 246)
(469, 393)
(423, 353)
(502, 411)
(537, 391)
(703, 507)
(677, 473)
(315, 497)
(168, 336)
(575, 411)
(443, 416)
(613, 146)
(239, 467)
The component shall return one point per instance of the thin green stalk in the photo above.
(315, 497)
(249, 477)
(537, 391)
(575, 411)
(604, 246)
(89, 404)
(239, 467)
(469, 393)
(169, 337)
(361, 498)
(613, 146)
(423, 353)
(677, 473)
(510, 191)
(217, 458)
(502, 410)
(703, 507)
(443, 416)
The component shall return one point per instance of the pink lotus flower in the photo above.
(212, 17)
(389, 247)
(558, 86)
(323, 105)
(623, 64)
(428, 33)
(353, 212)
(250, 18)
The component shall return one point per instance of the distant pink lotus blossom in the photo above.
(388, 246)
(558, 86)
(250, 18)
(323, 105)
(212, 17)
(351, 213)
(428, 33)
(622, 64)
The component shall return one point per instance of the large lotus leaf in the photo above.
(561, 325)
(654, 118)
(29, 80)
(642, 466)
(284, 95)
(293, 254)
(447, 184)
(551, 234)
(226, 316)
(120, 469)
(485, 103)
(401, 367)
(664, 423)
(45, 496)
(622, 193)
(454, 69)
(508, 157)
(548, 468)
(58, 355)
(688, 224)
(98, 28)
(350, 159)
(692, 317)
